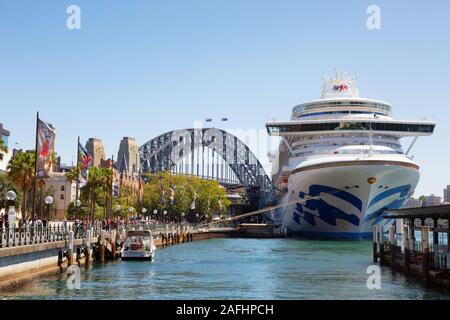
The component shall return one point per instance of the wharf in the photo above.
(426, 258)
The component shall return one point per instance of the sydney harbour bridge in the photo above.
(208, 153)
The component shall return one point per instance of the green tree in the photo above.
(21, 173)
(97, 192)
(3, 149)
(210, 197)
(72, 174)
(5, 186)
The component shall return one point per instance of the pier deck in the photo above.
(427, 257)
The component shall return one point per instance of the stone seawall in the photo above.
(23, 263)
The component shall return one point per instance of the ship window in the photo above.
(332, 126)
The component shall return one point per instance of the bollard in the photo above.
(426, 253)
(375, 244)
(87, 250)
(392, 246)
(406, 255)
(70, 251)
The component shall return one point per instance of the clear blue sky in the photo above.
(141, 68)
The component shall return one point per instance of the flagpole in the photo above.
(35, 172)
(112, 186)
(77, 210)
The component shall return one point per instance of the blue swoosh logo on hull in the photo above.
(377, 216)
(327, 212)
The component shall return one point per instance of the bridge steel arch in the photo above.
(166, 151)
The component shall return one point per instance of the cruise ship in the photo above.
(340, 163)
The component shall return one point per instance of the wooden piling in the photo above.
(113, 244)
(381, 244)
(87, 250)
(392, 246)
(102, 246)
(375, 244)
(70, 251)
(426, 254)
(436, 243)
(406, 255)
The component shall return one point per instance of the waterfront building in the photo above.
(64, 193)
(447, 194)
(4, 136)
(432, 200)
(129, 150)
(413, 203)
(97, 151)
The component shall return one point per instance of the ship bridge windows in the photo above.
(274, 129)
(384, 109)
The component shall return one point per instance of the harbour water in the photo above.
(222, 269)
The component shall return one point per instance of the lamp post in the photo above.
(165, 213)
(196, 217)
(144, 211)
(48, 201)
(155, 214)
(182, 216)
(11, 197)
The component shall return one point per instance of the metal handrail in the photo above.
(28, 235)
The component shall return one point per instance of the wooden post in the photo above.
(87, 250)
(70, 251)
(436, 243)
(102, 246)
(406, 245)
(375, 244)
(381, 243)
(392, 246)
(426, 253)
(173, 235)
(113, 244)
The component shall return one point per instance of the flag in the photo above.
(83, 178)
(141, 189)
(115, 182)
(172, 194)
(46, 135)
(193, 202)
(84, 163)
(84, 158)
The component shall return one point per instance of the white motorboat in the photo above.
(138, 245)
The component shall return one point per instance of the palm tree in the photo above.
(3, 149)
(72, 174)
(21, 173)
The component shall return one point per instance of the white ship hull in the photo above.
(344, 204)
